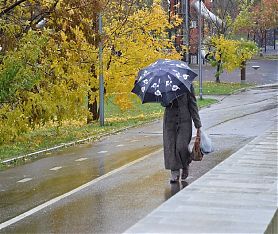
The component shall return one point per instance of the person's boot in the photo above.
(175, 176)
(184, 173)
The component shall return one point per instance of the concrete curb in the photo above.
(267, 86)
(43, 152)
(250, 88)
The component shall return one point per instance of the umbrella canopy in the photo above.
(163, 81)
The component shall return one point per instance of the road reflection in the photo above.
(174, 188)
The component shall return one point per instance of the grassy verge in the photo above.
(49, 137)
(115, 120)
(266, 57)
(212, 88)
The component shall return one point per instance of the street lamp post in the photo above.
(199, 50)
(185, 27)
(101, 80)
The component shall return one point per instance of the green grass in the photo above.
(266, 57)
(212, 88)
(115, 120)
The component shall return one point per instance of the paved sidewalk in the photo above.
(237, 196)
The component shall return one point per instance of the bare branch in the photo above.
(10, 8)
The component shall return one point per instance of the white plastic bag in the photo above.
(206, 144)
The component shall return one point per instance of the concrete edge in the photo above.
(249, 88)
(266, 85)
(42, 152)
(252, 87)
(272, 227)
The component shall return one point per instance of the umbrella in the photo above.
(163, 81)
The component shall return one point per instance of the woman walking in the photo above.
(177, 134)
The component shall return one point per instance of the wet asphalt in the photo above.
(267, 73)
(113, 203)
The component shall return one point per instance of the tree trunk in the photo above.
(93, 110)
(243, 72)
(274, 39)
(217, 75)
(265, 41)
(261, 42)
(92, 106)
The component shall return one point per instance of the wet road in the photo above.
(111, 203)
(266, 74)
(34, 183)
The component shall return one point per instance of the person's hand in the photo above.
(198, 138)
(198, 132)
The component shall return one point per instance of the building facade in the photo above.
(188, 32)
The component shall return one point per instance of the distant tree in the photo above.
(227, 53)
(265, 17)
(256, 18)
(227, 11)
(244, 23)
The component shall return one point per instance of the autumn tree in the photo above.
(230, 54)
(45, 80)
(225, 51)
(255, 18)
(141, 40)
(50, 74)
(18, 17)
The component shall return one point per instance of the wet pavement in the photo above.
(267, 73)
(237, 196)
(32, 184)
(110, 203)
(117, 202)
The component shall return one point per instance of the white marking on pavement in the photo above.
(134, 140)
(102, 152)
(119, 145)
(81, 159)
(55, 168)
(24, 180)
(56, 199)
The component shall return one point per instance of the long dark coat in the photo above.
(177, 130)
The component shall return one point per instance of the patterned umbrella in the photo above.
(163, 81)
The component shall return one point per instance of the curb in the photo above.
(267, 86)
(205, 199)
(65, 145)
(250, 88)
(95, 138)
